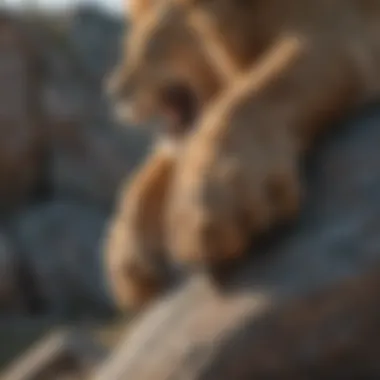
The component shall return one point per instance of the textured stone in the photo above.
(63, 355)
(90, 165)
(10, 292)
(22, 145)
(59, 243)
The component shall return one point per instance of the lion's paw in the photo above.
(133, 278)
(228, 190)
(134, 248)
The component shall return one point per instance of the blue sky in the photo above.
(112, 5)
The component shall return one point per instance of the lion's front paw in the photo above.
(133, 276)
(225, 192)
(134, 247)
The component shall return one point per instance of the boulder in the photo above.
(89, 155)
(22, 133)
(10, 292)
(63, 355)
(60, 245)
(91, 164)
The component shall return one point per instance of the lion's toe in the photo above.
(133, 276)
(206, 223)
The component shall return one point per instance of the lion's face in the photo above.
(165, 70)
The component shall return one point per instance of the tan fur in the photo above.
(127, 253)
(237, 172)
(134, 245)
(146, 70)
(136, 9)
(231, 183)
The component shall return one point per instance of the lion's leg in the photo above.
(238, 175)
(134, 251)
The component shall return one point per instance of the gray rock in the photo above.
(21, 118)
(9, 285)
(58, 141)
(87, 154)
(96, 38)
(90, 154)
(60, 243)
(91, 164)
(63, 355)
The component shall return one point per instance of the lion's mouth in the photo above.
(176, 103)
(180, 106)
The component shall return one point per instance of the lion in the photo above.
(140, 208)
(134, 244)
(240, 123)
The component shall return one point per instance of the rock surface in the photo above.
(60, 244)
(21, 119)
(306, 303)
(69, 355)
(62, 157)
(9, 285)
